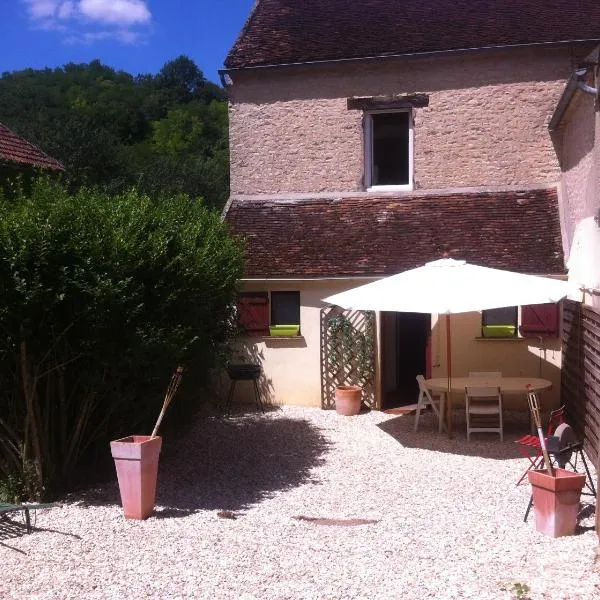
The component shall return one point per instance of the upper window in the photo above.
(389, 153)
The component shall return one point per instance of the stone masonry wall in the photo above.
(486, 123)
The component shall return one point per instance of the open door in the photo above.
(406, 353)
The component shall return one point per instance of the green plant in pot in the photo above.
(350, 358)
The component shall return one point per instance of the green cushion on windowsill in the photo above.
(284, 330)
(499, 330)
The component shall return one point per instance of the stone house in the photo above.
(370, 137)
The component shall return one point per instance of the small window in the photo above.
(263, 314)
(389, 150)
(285, 308)
(500, 322)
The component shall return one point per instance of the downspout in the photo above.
(580, 75)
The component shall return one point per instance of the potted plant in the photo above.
(348, 399)
(350, 358)
(136, 462)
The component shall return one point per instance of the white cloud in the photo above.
(89, 21)
(118, 12)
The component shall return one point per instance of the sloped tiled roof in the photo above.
(14, 149)
(364, 236)
(290, 31)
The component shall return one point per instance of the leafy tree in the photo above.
(115, 130)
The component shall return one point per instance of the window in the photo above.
(260, 312)
(389, 150)
(500, 322)
(536, 320)
(285, 308)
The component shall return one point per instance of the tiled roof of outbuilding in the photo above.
(14, 149)
(369, 236)
(290, 31)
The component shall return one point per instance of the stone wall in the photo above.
(486, 123)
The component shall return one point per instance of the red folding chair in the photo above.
(529, 445)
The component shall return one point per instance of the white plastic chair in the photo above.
(426, 399)
(484, 410)
(485, 373)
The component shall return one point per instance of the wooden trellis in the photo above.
(347, 353)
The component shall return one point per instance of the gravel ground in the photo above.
(445, 520)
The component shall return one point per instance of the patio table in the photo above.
(508, 386)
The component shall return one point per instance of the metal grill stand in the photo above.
(243, 372)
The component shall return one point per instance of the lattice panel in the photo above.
(347, 353)
(580, 374)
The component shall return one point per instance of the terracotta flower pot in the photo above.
(556, 500)
(136, 461)
(348, 399)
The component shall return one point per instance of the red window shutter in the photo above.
(539, 319)
(253, 313)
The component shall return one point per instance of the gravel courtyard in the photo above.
(384, 514)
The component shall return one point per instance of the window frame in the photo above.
(368, 151)
(267, 294)
(522, 332)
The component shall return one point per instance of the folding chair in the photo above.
(530, 446)
(426, 399)
(484, 410)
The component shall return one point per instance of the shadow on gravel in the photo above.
(485, 445)
(229, 464)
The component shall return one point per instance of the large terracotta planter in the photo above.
(556, 500)
(136, 461)
(348, 399)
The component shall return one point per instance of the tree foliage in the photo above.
(101, 298)
(163, 133)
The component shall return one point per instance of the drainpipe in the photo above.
(580, 75)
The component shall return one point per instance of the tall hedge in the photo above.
(100, 298)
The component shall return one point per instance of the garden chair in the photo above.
(6, 508)
(426, 399)
(530, 446)
(484, 410)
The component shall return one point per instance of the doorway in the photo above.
(405, 343)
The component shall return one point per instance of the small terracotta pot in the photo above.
(136, 461)
(556, 500)
(348, 399)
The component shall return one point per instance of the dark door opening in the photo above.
(405, 354)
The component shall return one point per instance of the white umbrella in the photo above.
(449, 286)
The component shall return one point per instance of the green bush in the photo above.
(100, 298)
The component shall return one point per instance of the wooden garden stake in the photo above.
(535, 413)
(170, 394)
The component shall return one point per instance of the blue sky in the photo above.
(138, 36)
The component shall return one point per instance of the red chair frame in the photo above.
(530, 446)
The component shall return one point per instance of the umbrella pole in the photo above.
(449, 363)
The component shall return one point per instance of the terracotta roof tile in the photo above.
(15, 149)
(362, 236)
(288, 31)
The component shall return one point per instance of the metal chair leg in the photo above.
(228, 402)
(528, 508)
(27, 520)
(259, 403)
